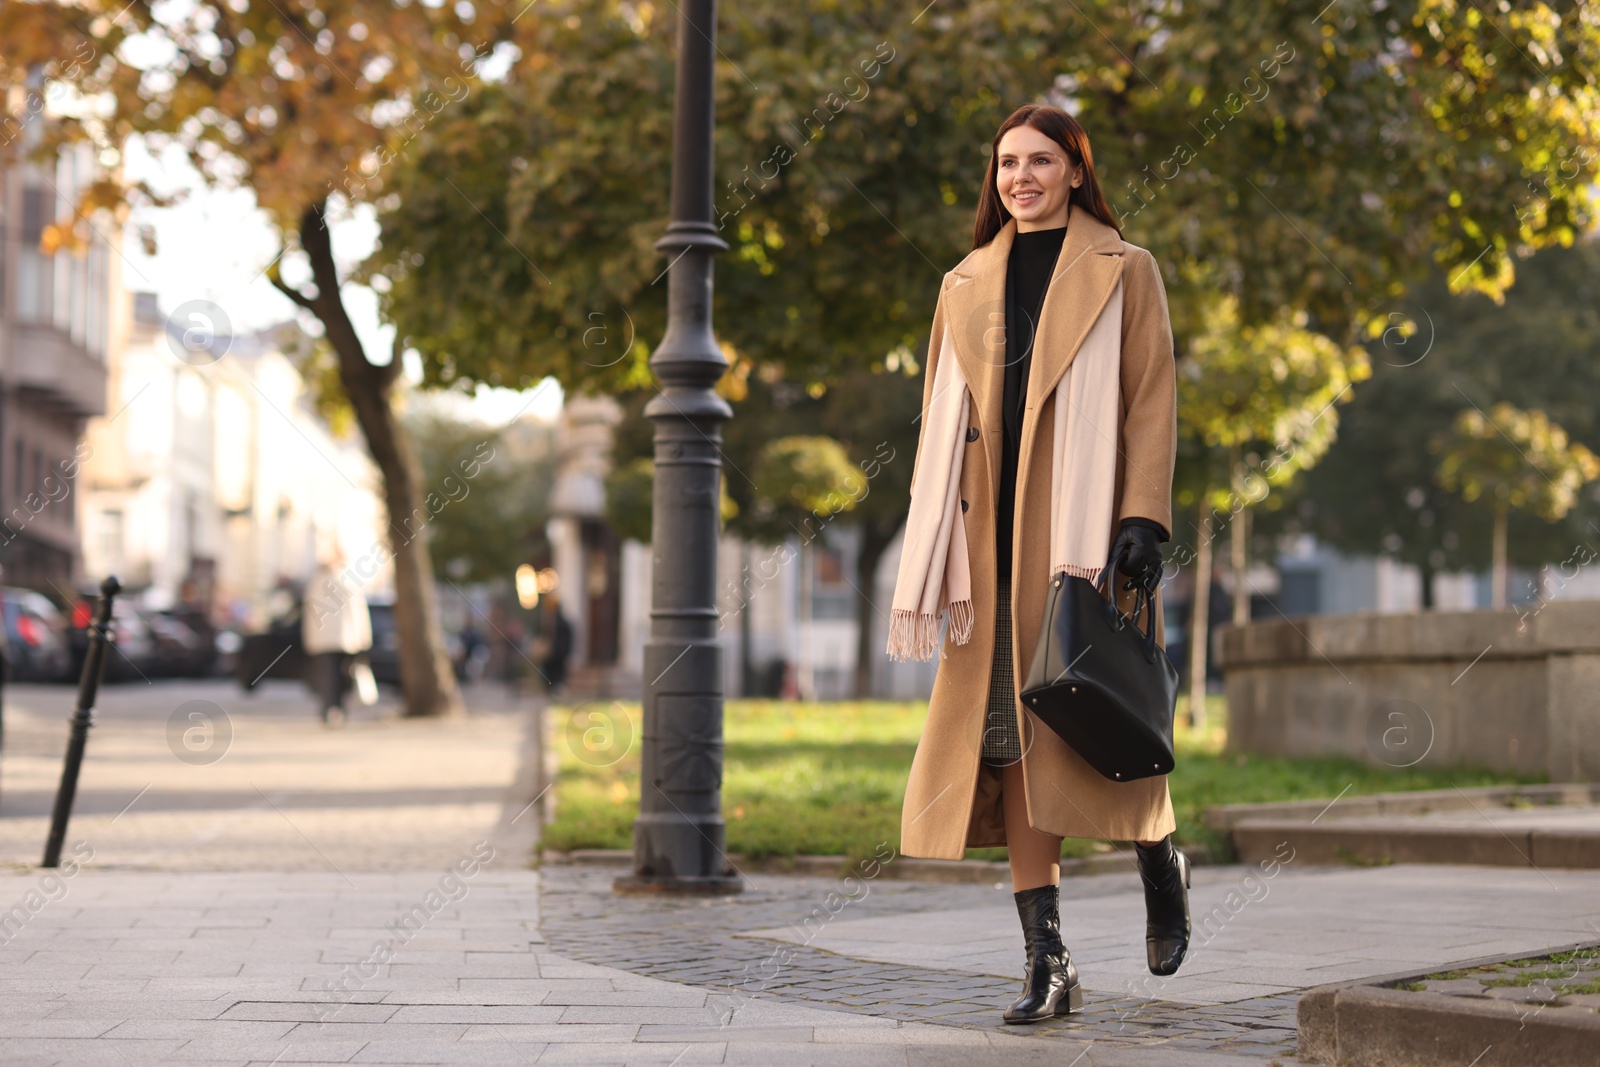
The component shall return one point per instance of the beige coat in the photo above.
(953, 800)
(334, 616)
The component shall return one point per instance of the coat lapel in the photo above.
(975, 309)
(1086, 273)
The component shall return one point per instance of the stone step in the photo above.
(1389, 1022)
(1377, 841)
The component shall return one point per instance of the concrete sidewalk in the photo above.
(363, 896)
(253, 968)
(486, 963)
(196, 775)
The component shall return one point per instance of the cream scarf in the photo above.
(935, 574)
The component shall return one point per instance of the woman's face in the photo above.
(1034, 178)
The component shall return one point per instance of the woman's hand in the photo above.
(1142, 561)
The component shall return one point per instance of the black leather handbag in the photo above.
(1100, 681)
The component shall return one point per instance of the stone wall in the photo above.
(1505, 690)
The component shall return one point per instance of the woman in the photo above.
(335, 628)
(1047, 444)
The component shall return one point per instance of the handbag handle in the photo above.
(1143, 601)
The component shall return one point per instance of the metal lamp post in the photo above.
(679, 838)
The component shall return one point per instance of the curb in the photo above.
(1376, 842)
(904, 868)
(1365, 833)
(1372, 1024)
(1417, 802)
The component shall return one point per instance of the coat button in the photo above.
(972, 434)
(963, 507)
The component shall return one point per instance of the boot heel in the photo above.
(1074, 999)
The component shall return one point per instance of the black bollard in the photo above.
(94, 666)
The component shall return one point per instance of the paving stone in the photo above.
(478, 1013)
(820, 1056)
(1529, 994)
(304, 1011)
(631, 1055)
(446, 1053)
(581, 923)
(552, 967)
(56, 1027)
(187, 1029)
(549, 1032)
(96, 1052)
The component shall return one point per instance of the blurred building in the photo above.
(787, 617)
(59, 318)
(584, 550)
(216, 484)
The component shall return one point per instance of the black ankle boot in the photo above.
(1165, 871)
(1050, 986)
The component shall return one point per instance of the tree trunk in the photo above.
(1426, 572)
(1200, 619)
(1497, 568)
(1239, 542)
(805, 675)
(747, 663)
(425, 671)
(1239, 548)
(874, 542)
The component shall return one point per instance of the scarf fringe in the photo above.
(1077, 570)
(915, 635)
(961, 619)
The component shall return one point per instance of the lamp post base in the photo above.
(725, 885)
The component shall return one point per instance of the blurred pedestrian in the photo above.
(335, 629)
(554, 647)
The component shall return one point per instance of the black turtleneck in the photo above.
(1032, 261)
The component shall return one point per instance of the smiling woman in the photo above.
(1074, 402)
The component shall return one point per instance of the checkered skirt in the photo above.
(1001, 741)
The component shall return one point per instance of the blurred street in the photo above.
(197, 775)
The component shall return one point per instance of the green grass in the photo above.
(828, 779)
(1546, 972)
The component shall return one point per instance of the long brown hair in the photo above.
(1065, 131)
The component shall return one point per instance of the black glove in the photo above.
(1142, 563)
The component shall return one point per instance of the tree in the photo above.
(1298, 157)
(1512, 460)
(805, 481)
(307, 104)
(1376, 493)
(1243, 390)
(784, 483)
(873, 411)
(490, 489)
(1280, 156)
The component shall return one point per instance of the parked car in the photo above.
(274, 653)
(179, 651)
(206, 660)
(177, 643)
(133, 645)
(35, 635)
(385, 655)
